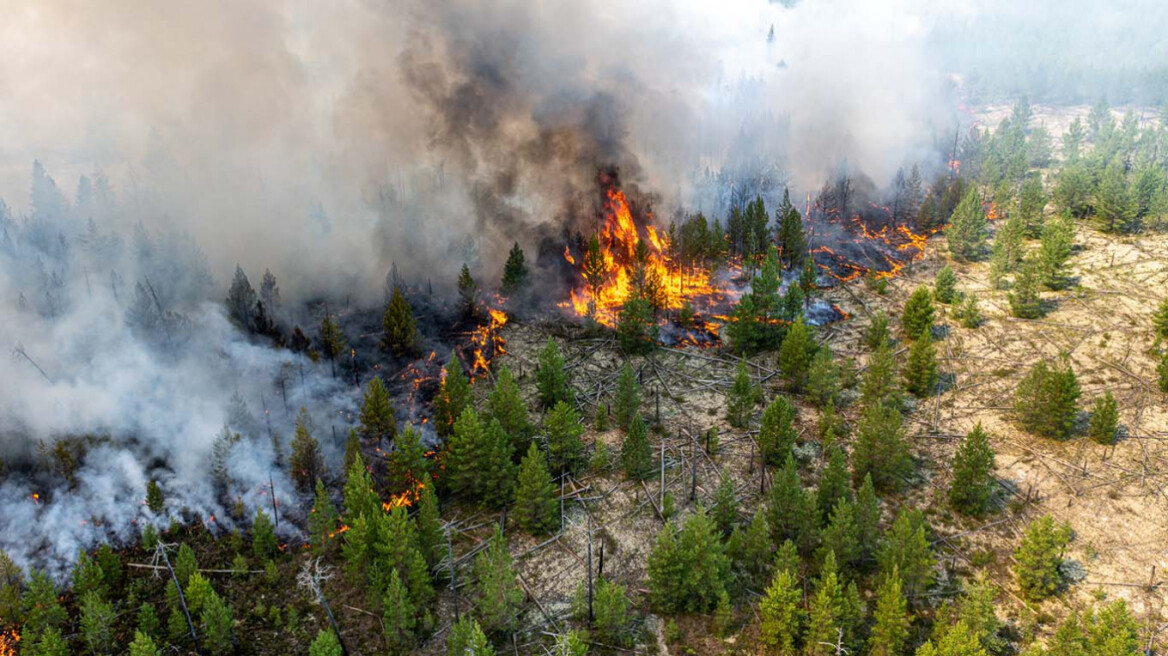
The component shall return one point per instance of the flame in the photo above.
(406, 498)
(993, 213)
(36, 498)
(342, 529)
(8, 642)
(618, 239)
(486, 341)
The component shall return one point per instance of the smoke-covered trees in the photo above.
(535, 504)
(331, 340)
(967, 229)
(688, 567)
(241, 299)
(401, 332)
(514, 272)
(468, 291)
(550, 378)
(1039, 556)
(377, 417)
(1045, 399)
(791, 241)
(973, 465)
(307, 461)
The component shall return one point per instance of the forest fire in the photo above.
(486, 341)
(8, 642)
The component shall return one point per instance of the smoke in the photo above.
(329, 141)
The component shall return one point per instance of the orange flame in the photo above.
(8, 642)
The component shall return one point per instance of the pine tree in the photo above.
(776, 433)
(97, 618)
(867, 519)
(610, 607)
(1038, 557)
(398, 615)
(880, 449)
(322, 521)
(688, 567)
(918, 313)
(466, 637)
(1104, 419)
(514, 272)
(499, 593)
(780, 613)
(154, 498)
(792, 243)
(185, 563)
(325, 644)
(396, 547)
(834, 485)
(360, 499)
(724, 507)
(40, 606)
(377, 417)
(564, 428)
(1045, 399)
(535, 504)
(1024, 300)
(11, 582)
(241, 299)
(550, 378)
(791, 510)
(743, 396)
(401, 330)
(263, 536)
(217, 622)
(958, 641)
(495, 483)
(970, 314)
(795, 354)
(905, 549)
(751, 552)
(468, 291)
(143, 645)
(636, 330)
(976, 608)
(967, 229)
(332, 341)
(87, 576)
(408, 465)
(823, 377)
(1160, 321)
(920, 372)
(880, 384)
(891, 621)
(454, 396)
(1162, 373)
(307, 462)
(505, 403)
(636, 454)
(463, 453)
(1058, 238)
(973, 464)
(827, 613)
(945, 285)
(840, 537)
(628, 397)
(428, 526)
(876, 334)
(48, 643)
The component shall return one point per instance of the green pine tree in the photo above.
(408, 465)
(466, 637)
(967, 228)
(398, 615)
(428, 526)
(945, 285)
(840, 537)
(636, 454)
(688, 567)
(185, 564)
(905, 549)
(377, 420)
(828, 611)
(97, 618)
(535, 497)
(880, 449)
(1024, 300)
(1160, 321)
(724, 508)
(87, 576)
(399, 326)
(1045, 399)
(154, 498)
(628, 397)
(636, 330)
(751, 552)
(217, 623)
(781, 614)
(776, 433)
(332, 341)
(791, 240)
(514, 272)
(500, 596)
(970, 314)
(143, 645)
(973, 465)
(1038, 557)
(550, 378)
(918, 313)
(468, 291)
(322, 521)
(50, 642)
(791, 511)
(880, 384)
(744, 395)
(1162, 373)
(454, 396)
(505, 403)
(1104, 419)
(495, 471)
(325, 644)
(920, 372)
(890, 620)
(834, 485)
(263, 536)
(1058, 238)
(564, 428)
(360, 498)
(867, 519)
(823, 377)
(876, 334)
(795, 354)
